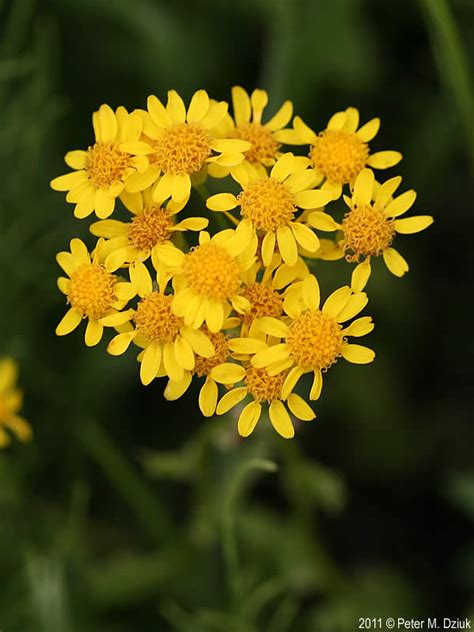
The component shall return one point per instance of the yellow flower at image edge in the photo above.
(92, 292)
(10, 403)
(371, 225)
(179, 144)
(102, 170)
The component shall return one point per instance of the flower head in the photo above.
(11, 400)
(269, 205)
(101, 171)
(150, 226)
(247, 125)
(92, 292)
(314, 338)
(179, 145)
(371, 225)
(340, 152)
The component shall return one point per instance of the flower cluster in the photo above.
(237, 309)
(11, 400)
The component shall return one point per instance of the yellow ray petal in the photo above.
(300, 408)
(395, 262)
(208, 398)
(248, 419)
(384, 159)
(410, 225)
(231, 399)
(281, 420)
(357, 354)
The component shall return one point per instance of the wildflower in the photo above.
(371, 224)
(169, 344)
(11, 400)
(102, 170)
(340, 152)
(262, 387)
(208, 279)
(92, 292)
(263, 137)
(268, 205)
(314, 339)
(137, 239)
(179, 145)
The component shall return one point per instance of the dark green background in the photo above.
(125, 512)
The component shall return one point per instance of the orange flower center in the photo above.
(262, 386)
(212, 272)
(264, 147)
(315, 340)
(263, 302)
(267, 204)
(106, 164)
(92, 291)
(150, 228)
(183, 149)
(338, 155)
(367, 231)
(155, 320)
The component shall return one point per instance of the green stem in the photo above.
(452, 61)
(127, 482)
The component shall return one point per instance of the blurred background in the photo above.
(127, 513)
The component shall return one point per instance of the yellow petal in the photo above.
(281, 118)
(181, 188)
(158, 112)
(363, 187)
(384, 159)
(368, 131)
(259, 100)
(354, 305)
(287, 245)
(357, 354)
(76, 159)
(150, 363)
(69, 322)
(174, 390)
(400, 204)
(268, 248)
(281, 420)
(171, 364)
(246, 345)
(140, 279)
(311, 293)
(291, 381)
(68, 181)
(222, 202)
(352, 120)
(305, 236)
(361, 275)
(410, 225)
(272, 355)
(272, 327)
(300, 408)
(337, 121)
(94, 331)
(184, 353)
(169, 255)
(199, 342)
(120, 343)
(360, 327)
(175, 107)
(241, 105)
(231, 399)
(230, 145)
(104, 204)
(395, 262)
(208, 398)
(214, 316)
(337, 301)
(108, 124)
(322, 221)
(198, 107)
(317, 386)
(141, 181)
(163, 188)
(192, 223)
(117, 319)
(108, 228)
(66, 261)
(228, 373)
(248, 419)
(315, 198)
(304, 132)
(283, 167)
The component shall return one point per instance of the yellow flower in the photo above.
(208, 279)
(263, 137)
(101, 171)
(92, 292)
(169, 344)
(268, 205)
(340, 152)
(371, 225)
(314, 339)
(179, 145)
(208, 393)
(262, 387)
(11, 400)
(136, 240)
